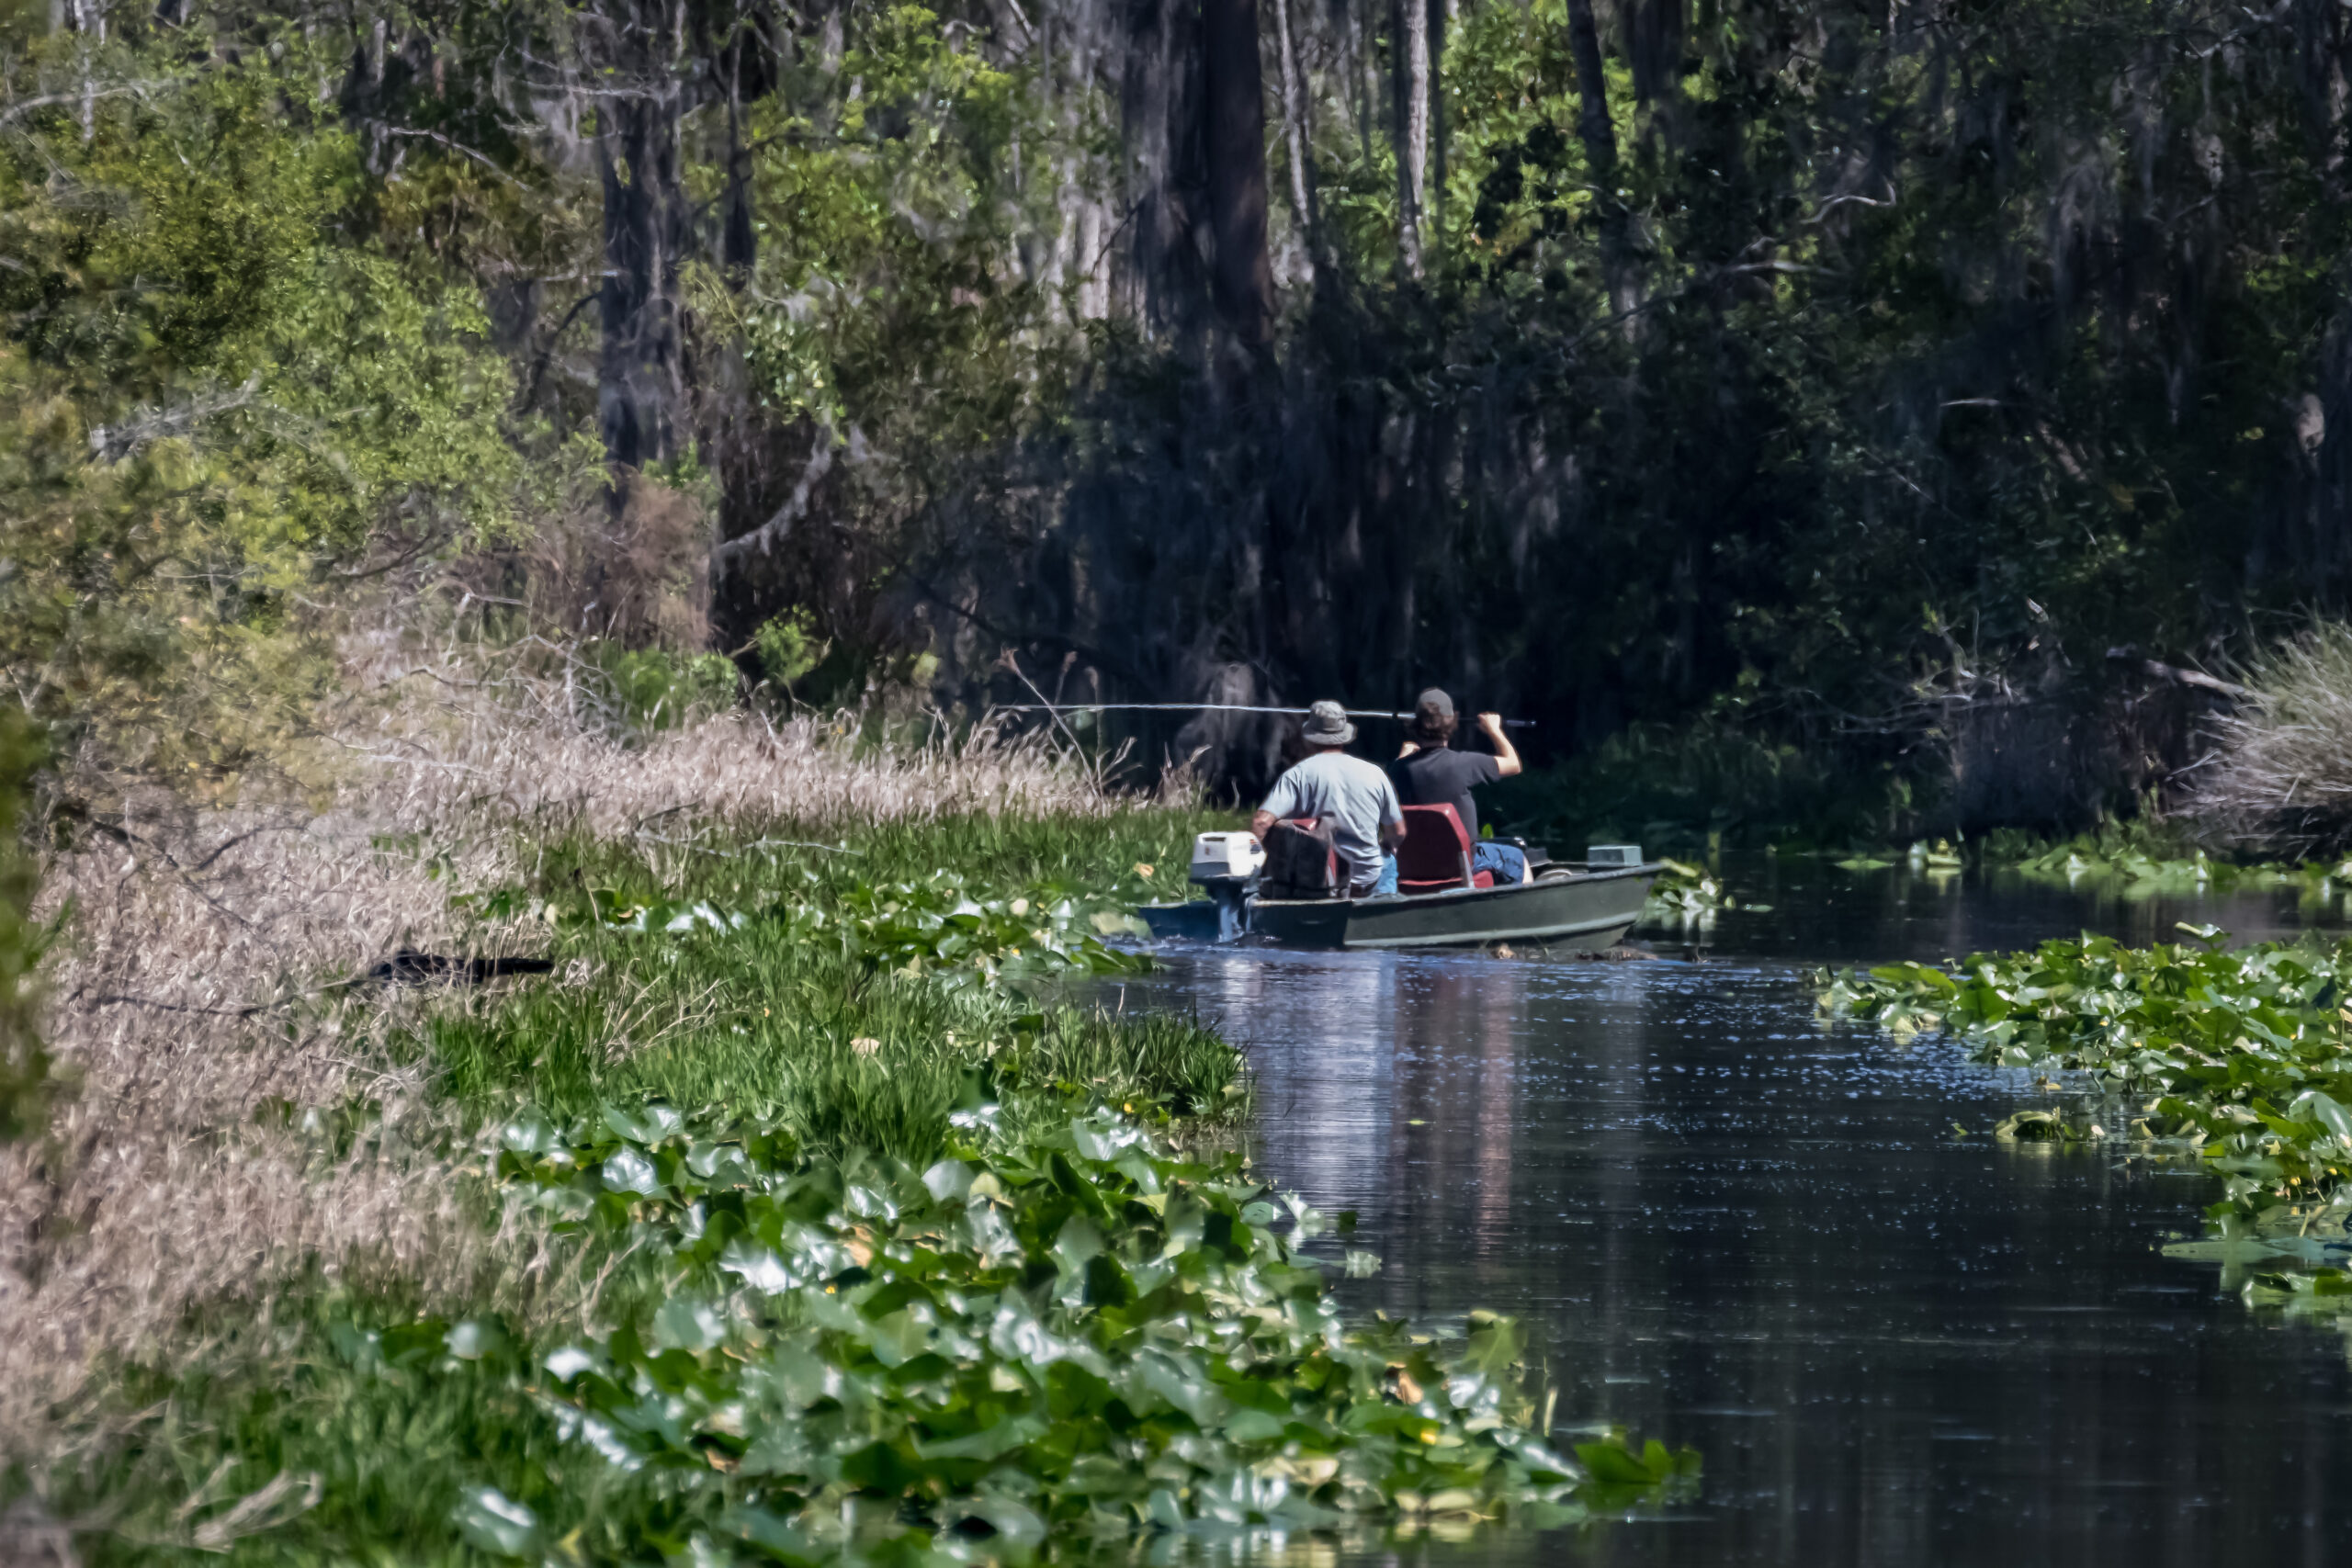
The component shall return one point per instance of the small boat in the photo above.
(1591, 905)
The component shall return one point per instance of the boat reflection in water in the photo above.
(1730, 1226)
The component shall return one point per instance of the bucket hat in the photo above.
(1327, 725)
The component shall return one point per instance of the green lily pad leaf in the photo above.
(474, 1338)
(630, 1171)
(530, 1133)
(759, 1269)
(949, 1181)
(568, 1363)
(495, 1523)
(1079, 1245)
(990, 1443)
(685, 1324)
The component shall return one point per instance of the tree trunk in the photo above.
(1294, 131)
(1158, 286)
(1599, 139)
(639, 388)
(1413, 149)
(1234, 116)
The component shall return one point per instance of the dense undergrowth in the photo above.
(2237, 1058)
(841, 1239)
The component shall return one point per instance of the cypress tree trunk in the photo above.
(1234, 113)
(1413, 143)
(1599, 139)
(1294, 128)
(641, 385)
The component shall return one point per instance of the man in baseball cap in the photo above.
(1353, 795)
(1429, 772)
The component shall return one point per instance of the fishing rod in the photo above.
(1210, 707)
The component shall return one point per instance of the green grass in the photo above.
(756, 1021)
(1097, 855)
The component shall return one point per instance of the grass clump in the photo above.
(2280, 777)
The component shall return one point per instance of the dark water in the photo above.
(1737, 1229)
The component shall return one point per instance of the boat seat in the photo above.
(1435, 854)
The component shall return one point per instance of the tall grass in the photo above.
(2280, 775)
(751, 1020)
(195, 1012)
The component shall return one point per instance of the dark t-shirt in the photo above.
(1444, 777)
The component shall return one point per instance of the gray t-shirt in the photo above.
(1353, 796)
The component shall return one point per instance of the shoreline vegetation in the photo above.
(786, 1216)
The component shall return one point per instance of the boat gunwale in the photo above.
(1468, 894)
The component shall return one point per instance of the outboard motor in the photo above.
(1228, 866)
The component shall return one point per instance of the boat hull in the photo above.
(1593, 909)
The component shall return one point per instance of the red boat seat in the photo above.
(1435, 854)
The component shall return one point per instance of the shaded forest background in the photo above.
(1796, 410)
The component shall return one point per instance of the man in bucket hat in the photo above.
(1351, 794)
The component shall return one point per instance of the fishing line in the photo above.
(1210, 707)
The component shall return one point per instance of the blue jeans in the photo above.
(1507, 862)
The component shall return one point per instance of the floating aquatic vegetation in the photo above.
(1078, 1333)
(935, 925)
(2240, 1058)
(1690, 895)
(2140, 861)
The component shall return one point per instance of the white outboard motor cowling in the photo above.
(1228, 866)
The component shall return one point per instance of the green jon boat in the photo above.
(1591, 909)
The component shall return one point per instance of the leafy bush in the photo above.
(212, 402)
(1677, 789)
(646, 689)
(789, 648)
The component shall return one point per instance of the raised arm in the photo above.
(1506, 762)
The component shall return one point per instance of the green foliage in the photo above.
(761, 1017)
(816, 1357)
(863, 1011)
(917, 1274)
(1079, 1333)
(647, 690)
(212, 402)
(2140, 859)
(1099, 863)
(789, 648)
(1691, 789)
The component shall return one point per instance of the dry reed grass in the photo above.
(195, 995)
(2279, 776)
